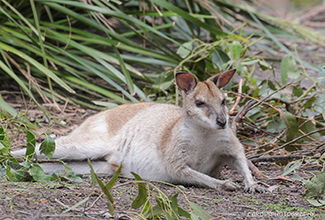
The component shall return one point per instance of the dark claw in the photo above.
(253, 189)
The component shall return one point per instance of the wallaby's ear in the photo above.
(185, 81)
(222, 79)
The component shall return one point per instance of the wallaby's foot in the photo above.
(228, 185)
(231, 186)
(255, 188)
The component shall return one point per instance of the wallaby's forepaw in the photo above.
(228, 185)
(255, 188)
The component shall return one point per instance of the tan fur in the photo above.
(117, 117)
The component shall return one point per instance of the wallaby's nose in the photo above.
(221, 123)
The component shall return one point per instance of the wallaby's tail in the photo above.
(81, 167)
(101, 167)
(73, 147)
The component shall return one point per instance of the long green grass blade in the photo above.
(20, 16)
(187, 16)
(108, 12)
(39, 66)
(97, 89)
(4, 67)
(125, 71)
(8, 108)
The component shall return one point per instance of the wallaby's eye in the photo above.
(199, 103)
(223, 102)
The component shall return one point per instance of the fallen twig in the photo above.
(241, 114)
(255, 171)
(94, 202)
(74, 208)
(250, 105)
(288, 143)
(276, 158)
(238, 97)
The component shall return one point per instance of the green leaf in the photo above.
(48, 147)
(161, 209)
(101, 184)
(151, 212)
(307, 126)
(4, 139)
(319, 104)
(105, 104)
(106, 192)
(9, 173)
(142, 193)
(275, 126)
(264, 65)
(316, 185)
(252, 81)
(271, 85)
(67, 174)
(289, 69)
(200, 212)
(4, 150)
(293, 71)
(194, 217)
(292, 125)
(310, 102)
(184, 213)
(284, 70)
(110, 208)
(31, 142)
(250, 62)
(219, 58)
(114, 178)
(236, 49)
(107, 187)
(174, 203)
(185, 49)
(297, 91)
(292, 166)
(8, 108)
(317, 203)
(38, 174)
(164, 81)
(93, 175)
(178, 210)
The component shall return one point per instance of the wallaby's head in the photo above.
(203, 102)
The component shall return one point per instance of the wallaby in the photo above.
(188, 145)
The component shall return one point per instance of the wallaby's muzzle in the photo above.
(222, 123)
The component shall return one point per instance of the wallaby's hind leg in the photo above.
(80, 147)
(90, 140)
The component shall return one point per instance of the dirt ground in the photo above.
(52, 200)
